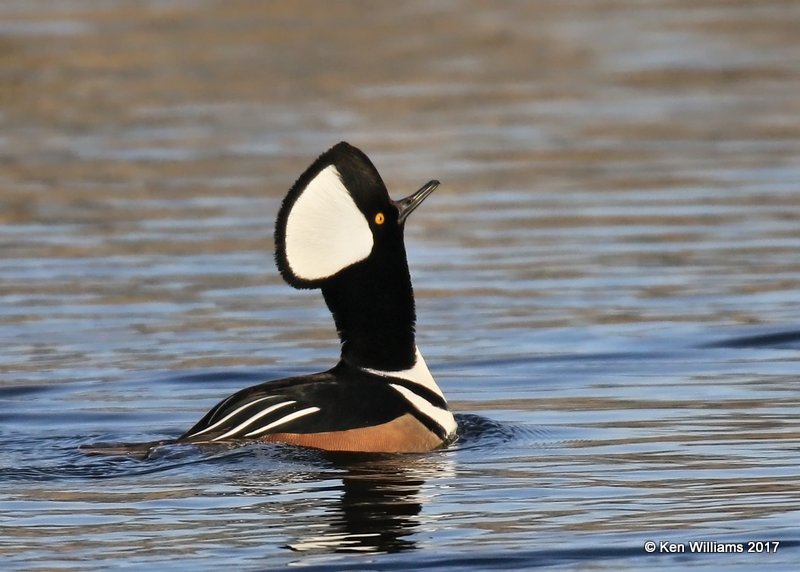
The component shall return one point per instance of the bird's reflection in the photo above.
(338, 502)
(359, 503)
(378, 512)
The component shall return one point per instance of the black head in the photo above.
(339, 230)
(336, 215)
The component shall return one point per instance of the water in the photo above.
(606, 280)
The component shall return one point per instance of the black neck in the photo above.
(372, 303)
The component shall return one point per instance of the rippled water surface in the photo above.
(607, 280)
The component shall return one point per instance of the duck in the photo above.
(338, 231)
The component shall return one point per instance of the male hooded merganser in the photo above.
(338, 230)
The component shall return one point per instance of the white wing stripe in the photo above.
(231, 414)
(442, 417)
(282, 420)
(253, 419)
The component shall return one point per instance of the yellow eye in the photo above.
(379, 218)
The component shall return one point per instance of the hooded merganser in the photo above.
(338, 230)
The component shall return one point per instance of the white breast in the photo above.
(419, 374)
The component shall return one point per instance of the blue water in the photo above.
(565, 458)
(606, 280)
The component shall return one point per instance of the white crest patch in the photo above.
(325, 230)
